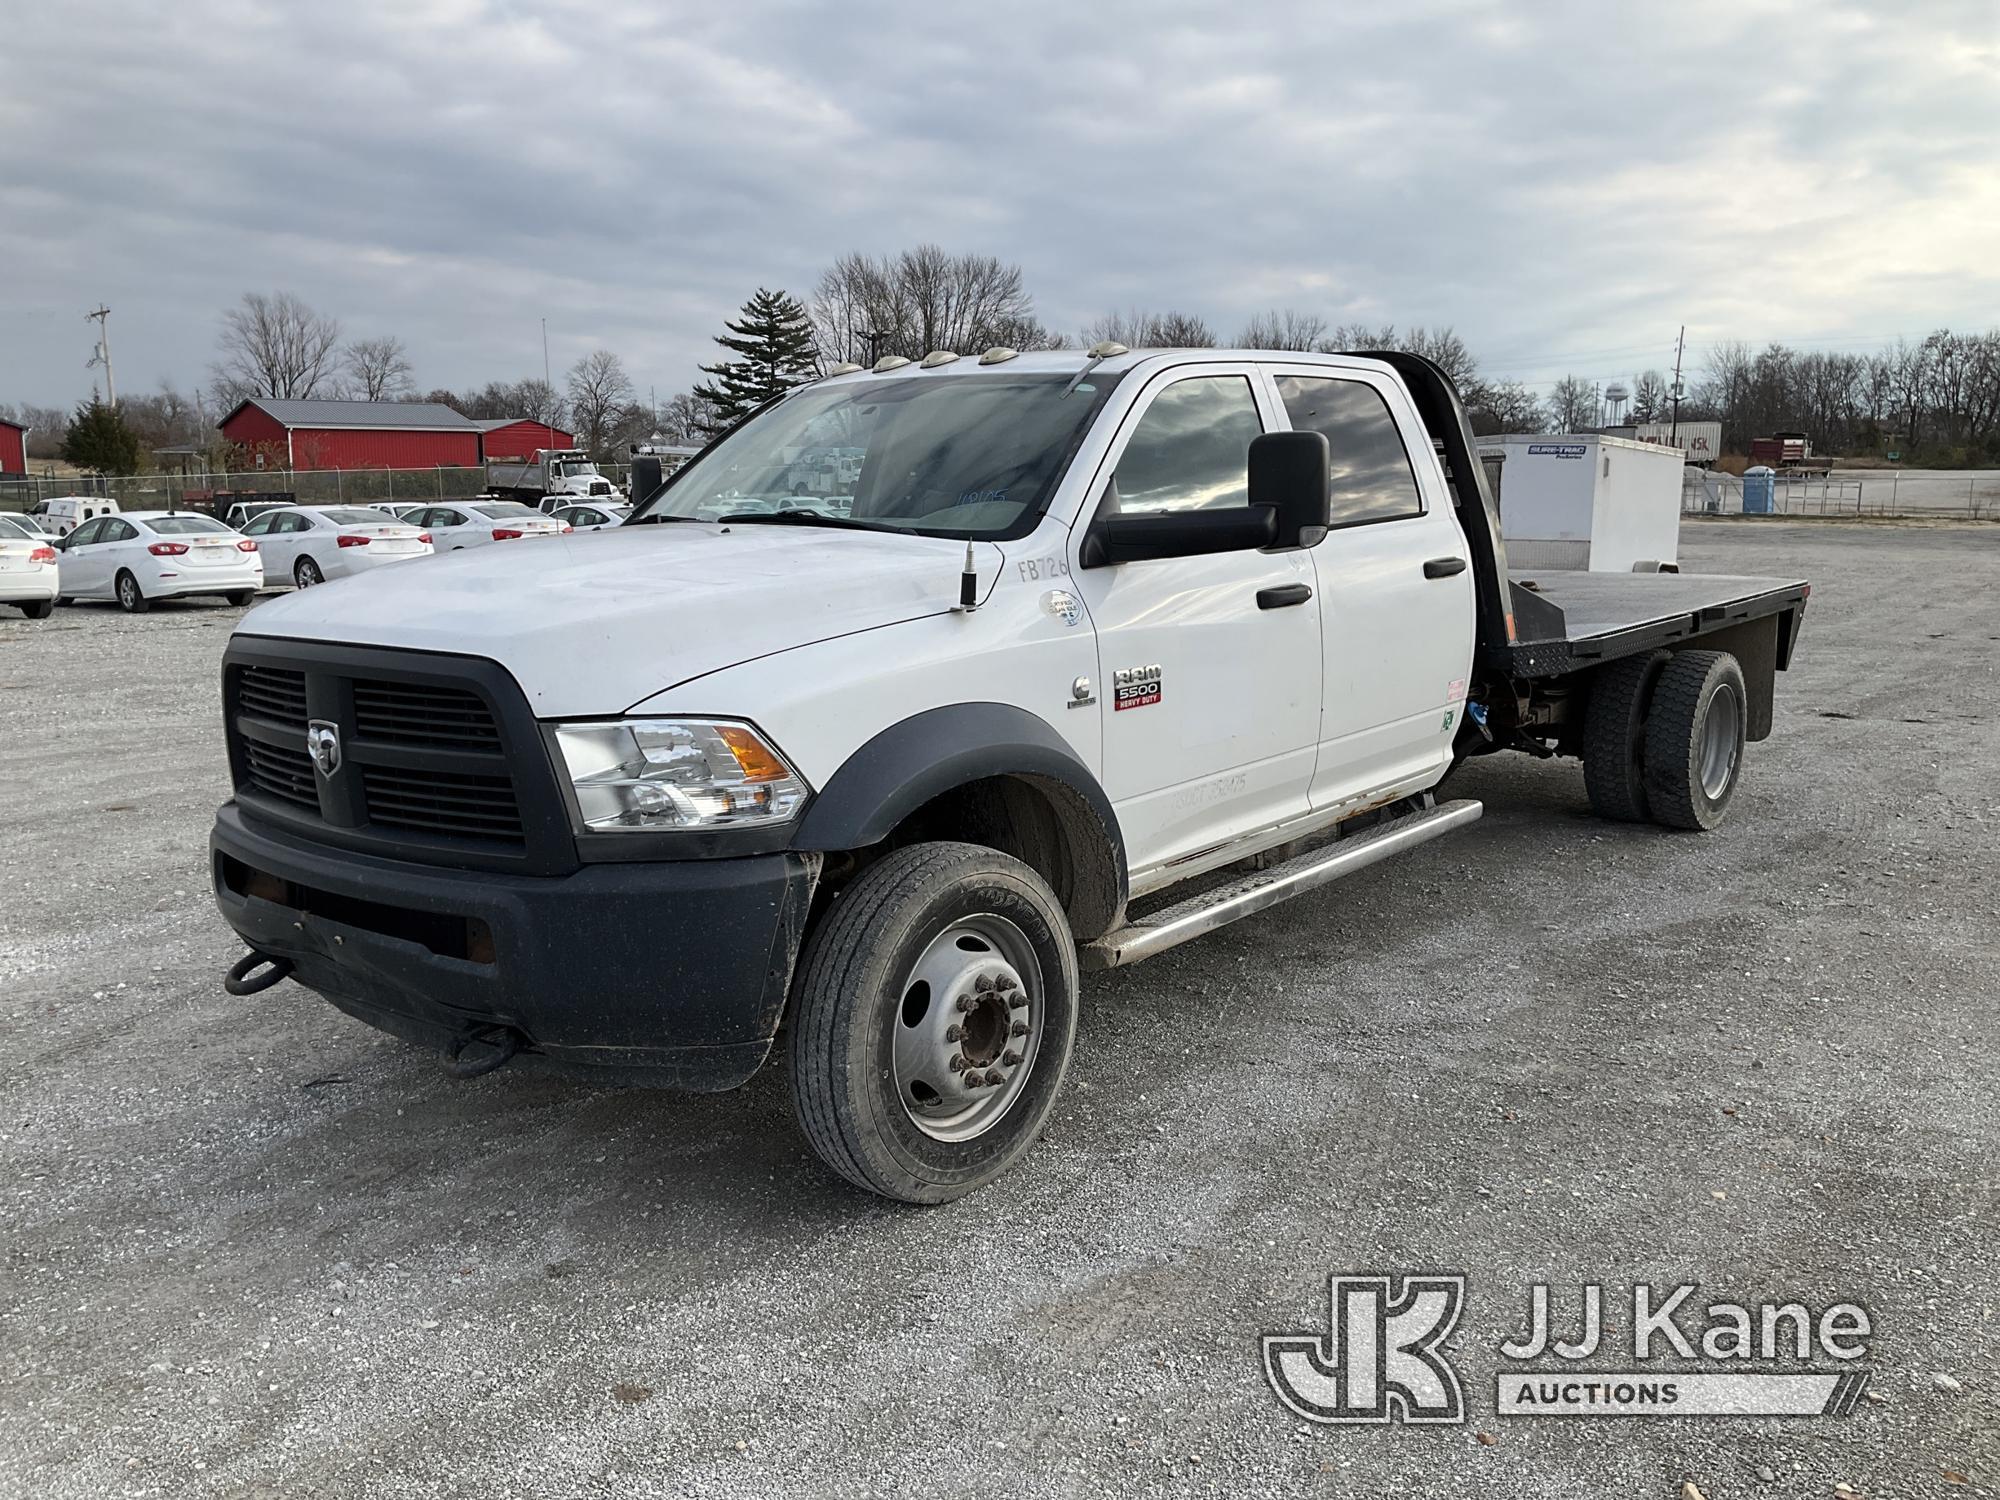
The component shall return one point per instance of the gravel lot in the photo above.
(253, 1248)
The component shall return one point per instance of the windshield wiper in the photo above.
(803, 518)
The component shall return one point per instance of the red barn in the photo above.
(13, 447)
(352, 434)
(515, 439)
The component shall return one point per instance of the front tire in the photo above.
(1694, 739)
(241, 598)
(306, 573)
(131, 598)
(933, 1016)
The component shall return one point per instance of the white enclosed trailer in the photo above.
(1700, 441)
(1583, 501)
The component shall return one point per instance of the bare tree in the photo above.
(923, 299)
(1288, 329)
(1355, 337)
(1505, 406)
(274, 346)
(1573, 404)
(1137, 329)
(1649, 396)
(379, 369)
(599, 389)
(685, 421)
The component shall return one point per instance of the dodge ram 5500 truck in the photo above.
(1101, 652)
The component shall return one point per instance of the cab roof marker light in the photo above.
(889, 362)
(938, 357)
(999, 354)
(845, 367)
(1107, 349)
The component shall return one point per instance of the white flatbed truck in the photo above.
(1103, 651)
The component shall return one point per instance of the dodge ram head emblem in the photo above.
(323, 744)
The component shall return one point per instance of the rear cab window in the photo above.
(1373, 479)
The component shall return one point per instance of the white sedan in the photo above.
(593, 517)
(474, 523)
(310, 544)
(137, 556)
(28, 573)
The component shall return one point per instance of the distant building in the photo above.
(352, 434)
(515, 439)
(13, 447)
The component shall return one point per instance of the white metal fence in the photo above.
(1973, 494)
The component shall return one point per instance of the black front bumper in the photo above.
(670, 973)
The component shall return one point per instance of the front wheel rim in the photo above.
(1719, 734)
(968, 1027)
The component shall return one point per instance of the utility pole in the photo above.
(1674, 430)
(103, 355)
(545, 355)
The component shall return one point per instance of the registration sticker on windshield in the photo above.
(1135, 687)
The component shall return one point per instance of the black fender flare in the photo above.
(928, 754)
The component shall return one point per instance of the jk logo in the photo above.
(1379, 1357)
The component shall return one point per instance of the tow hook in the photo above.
(243, 978)
(490, 1047)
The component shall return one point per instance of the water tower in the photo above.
(1615, 397)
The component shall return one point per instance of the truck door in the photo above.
(1395, 587)
(1209, 698)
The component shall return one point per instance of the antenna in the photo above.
(968, 582)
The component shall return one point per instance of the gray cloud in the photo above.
(1565, 184)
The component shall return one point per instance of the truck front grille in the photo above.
(282, 772)
(439, 758)
(480, 807)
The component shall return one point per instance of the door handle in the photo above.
(1444, 567)
(1283, 595)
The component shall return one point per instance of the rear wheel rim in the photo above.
(128, 591)
(969, 1022)
(1719, 734)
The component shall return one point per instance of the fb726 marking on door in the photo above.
(1135, 687)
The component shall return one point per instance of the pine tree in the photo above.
(98, 439)
(774, 338)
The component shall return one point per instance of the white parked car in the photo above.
(593, 517)
(143, 555)
(28, 522)
(62, 514)
(311, 544)
(28, 573)
(474, 523)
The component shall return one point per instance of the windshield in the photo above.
(574, 468)
(971, 455)
(28, 526)
(508, 512)
(354, 517)
(185, 525)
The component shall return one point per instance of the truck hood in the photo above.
(598, 621)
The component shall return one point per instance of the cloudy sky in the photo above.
(1562, 184)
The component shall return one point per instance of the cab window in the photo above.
(1372, 477)
(1191, 449)
(115, 530)
(259, 525)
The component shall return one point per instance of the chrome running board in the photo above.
(1191, 918)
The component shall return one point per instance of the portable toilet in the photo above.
(1760, 488)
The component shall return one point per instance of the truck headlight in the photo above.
(653, 774)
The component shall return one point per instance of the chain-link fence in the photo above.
(214, 492)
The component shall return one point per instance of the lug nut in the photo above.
(1008, 982)
(957, 1063)
(984, 984)
(1012, 1059)
(964, 1003)
(974, 1081)
(1020, 1028)
(1019, 1002)
(952, 1033)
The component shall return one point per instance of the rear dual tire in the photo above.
(1663, 738)
(932, 1021)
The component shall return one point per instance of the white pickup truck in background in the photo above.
(1101, 651)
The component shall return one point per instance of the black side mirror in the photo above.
(1292, 474)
